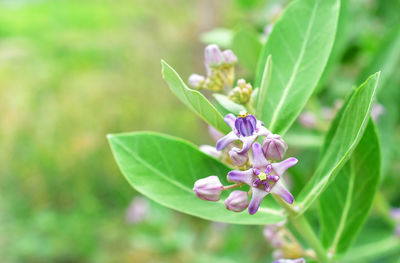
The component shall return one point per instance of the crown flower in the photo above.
(263, 178)
(245, 128)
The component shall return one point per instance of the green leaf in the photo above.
(300, 44)
(345, 132)
(345, 204)
(228, 105)
(165, 168)
(247, 46)
(261, 97)
(193, 99)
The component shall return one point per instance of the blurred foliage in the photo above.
(72, 71)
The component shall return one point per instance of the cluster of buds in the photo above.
(220, 68)
(285, 244)
(241, 93)
(261, 173)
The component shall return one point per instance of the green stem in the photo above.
(305, 230)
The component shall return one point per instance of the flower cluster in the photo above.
(258, 166)
(220, 69)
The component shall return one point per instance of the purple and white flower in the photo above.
(263, 178)
(245, 128)
(208, 188)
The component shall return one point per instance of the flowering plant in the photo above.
(244, 178)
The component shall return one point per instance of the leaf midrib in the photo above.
(296, 68)
(183, 187)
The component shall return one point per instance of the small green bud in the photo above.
(241, 93)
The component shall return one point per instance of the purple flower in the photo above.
(274, 147)
(271, 233)
(238, 159)
(208, 188)
(264, 178)
(297, 260)
(245, 128)
(237, 201)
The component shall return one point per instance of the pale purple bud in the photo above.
(298, 260)
(238, 159)
(229, 57)
(274, 147)
(377, 111)
(308, 120)
(213, 55)
(138, 210)
(196, 81)
(208, 188)
(237, 201)
(210, 150)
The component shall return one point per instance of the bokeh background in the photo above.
(73, 71)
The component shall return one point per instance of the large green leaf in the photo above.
(193, 99)
(346, 131)
(164, 169)
(247, 46)
(228, 105)
(345, 204)
(261, 101)
(300, 44)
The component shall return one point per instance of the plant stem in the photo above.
(304, 228)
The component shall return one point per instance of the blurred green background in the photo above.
(73, 71)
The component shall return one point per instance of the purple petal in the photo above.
(280, 189)
(227, 139)
(281, 167)
(256, 198)
(230, 120)
(261, 130)
(238, 159)
(259, 160)
(241, 176)
(246, 126)
(247, 142)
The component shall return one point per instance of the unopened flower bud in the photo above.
(208, 188)
(213, 56)
(210, 150)
(308, 120)
(196, 81)
(237, 201)
(238, 159)
(229, 57)
(274, 147)
(241, 93)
